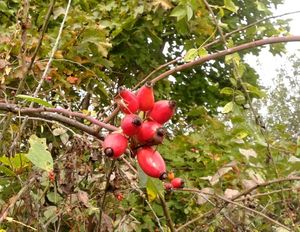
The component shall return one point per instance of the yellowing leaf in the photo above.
(202, 52)
(165, 4)
(191, 54)
(38, 153)
(227, 108)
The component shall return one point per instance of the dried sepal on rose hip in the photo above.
(168, 186)
(177, 183)
(151, 132)
(151, 162)
(127, 101)
(130, 124)
(145, 97)
(162, 111)
(115, 145)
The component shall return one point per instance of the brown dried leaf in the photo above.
(222, 171)
(230, 193)
(83, 197)
(203, 198)
(3, 63)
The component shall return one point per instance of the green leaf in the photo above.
(36, 100)
(235, 57)
(240, 99)
(202, 52)
(179, 12)
(189, 12)
(298, 148)
(229, 5)
(227, 108)
(38, 153)
(261, 7)
(191, 54)
(227, 91)
(154, 188)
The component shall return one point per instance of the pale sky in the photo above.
(266, 64)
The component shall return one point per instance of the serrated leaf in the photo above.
(227, 91)
(227, 108)
(38, 153)
(229, 5)
(202, 52)
(191, 54)
(35, 100)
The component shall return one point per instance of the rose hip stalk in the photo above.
(162, 111)
(151, 162)
(145, 97)
(115, 145)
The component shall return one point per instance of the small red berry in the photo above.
(168, 186)
(151, 162)
(151, 132)
(119, 196)
(145, 97)
(162, 111)
(177, 183)
(131, 124)
(127, 101)
(51, 176)
(115, 145)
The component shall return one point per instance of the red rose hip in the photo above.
(177, 183)
(131, 124)
(151, 162)
(151, 132)
(114, 145)
(145, 97)
(162, 111)
(127, 101)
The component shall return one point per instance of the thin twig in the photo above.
(15, 198)
(44, 74)
(102, 205)
(156, 70)
(253, 211)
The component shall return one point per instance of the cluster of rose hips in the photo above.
(142, 134)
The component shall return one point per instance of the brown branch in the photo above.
(54, 117)
(258, 185)
(166, 213)
(239, 48)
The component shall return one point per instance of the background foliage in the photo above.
(217, 141)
